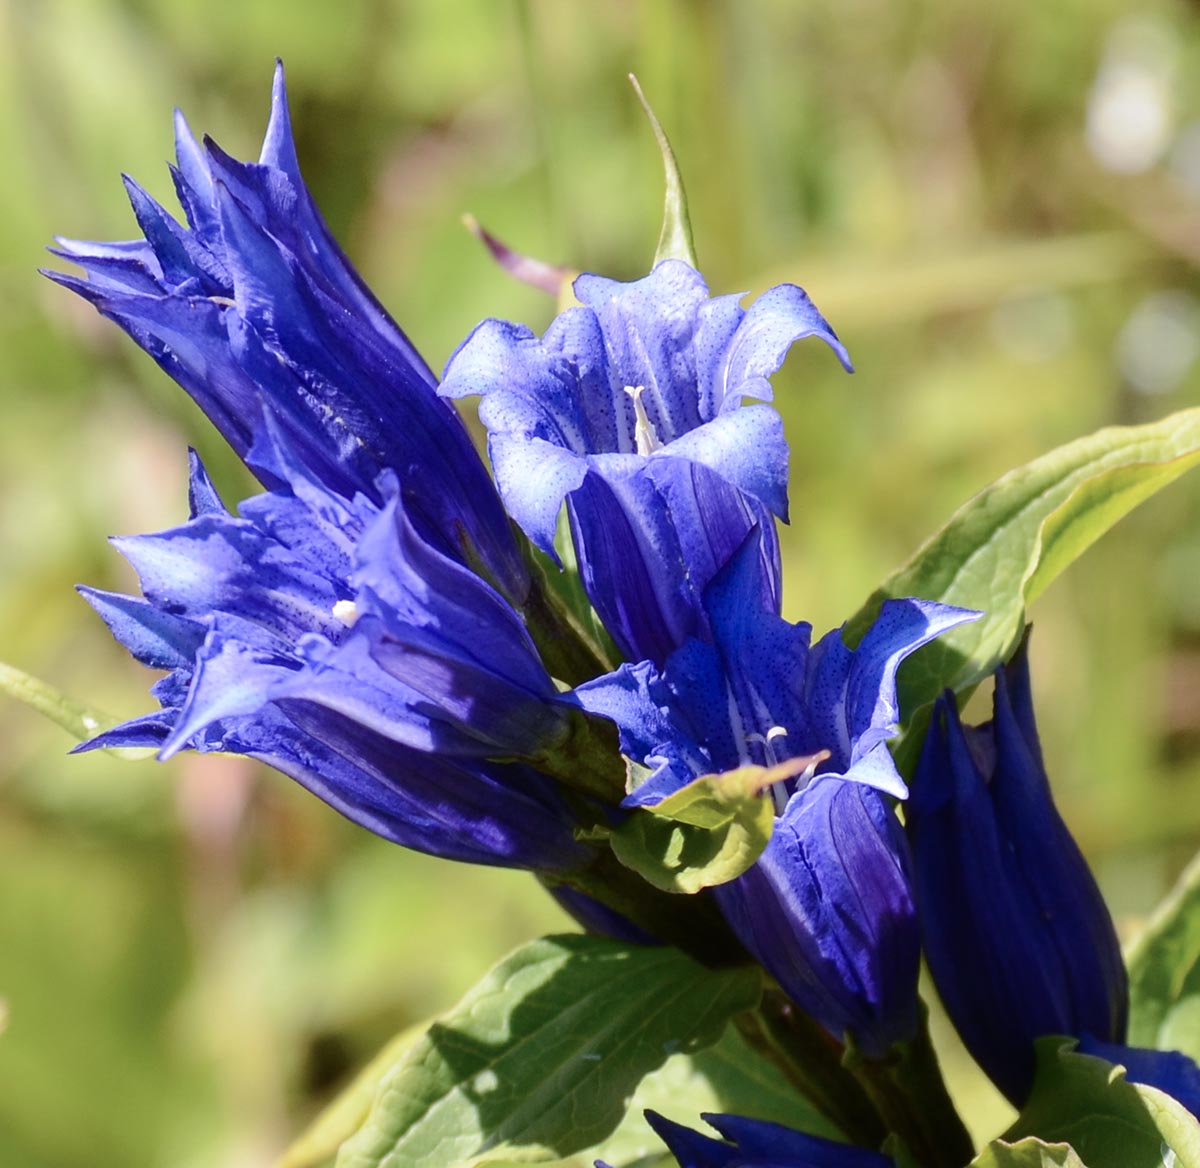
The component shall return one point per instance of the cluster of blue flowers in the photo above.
(373, 625)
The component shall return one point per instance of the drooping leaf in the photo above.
(1027, 1153)
(74, 717)
(1164, 972)
(1004, 546)
(1111, 1123)
(539, 1060)
(706, 833)
(675, 239)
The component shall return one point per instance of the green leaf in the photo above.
(1027, 1153)
(1164, 972)
(706, 833)
(1004, 546)
(675, 239)
(78, 720)
(1111, 1123)
(539, 1060)
(728, 1077)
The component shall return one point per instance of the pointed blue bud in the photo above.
(1017, 935)
(755, 1143)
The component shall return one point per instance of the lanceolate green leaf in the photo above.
(1004, 546)
(538, 1061)
(675, 239)
(74, 717)
(1110, 1122)
(1164, 973)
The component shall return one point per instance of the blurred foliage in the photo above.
(996, 205)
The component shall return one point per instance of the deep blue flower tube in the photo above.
(1017, 935)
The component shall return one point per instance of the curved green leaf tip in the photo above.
(675, 239)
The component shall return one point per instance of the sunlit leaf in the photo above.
(540, 1059)
(1004, 546)
(1111, 1123)
(1164, 973)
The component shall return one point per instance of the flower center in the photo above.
(346, 612)
(804, 767)
(644, 433)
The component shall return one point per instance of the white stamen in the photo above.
(223, 301)
(346, 611)
(644, 433)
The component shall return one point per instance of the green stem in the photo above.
(812, 1062)
(909, 1093)
(570, 652)
(691, 923)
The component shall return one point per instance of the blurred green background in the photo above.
(996, 206)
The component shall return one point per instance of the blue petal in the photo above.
(488, 814)
(765, 1143)
(649, 327)
(651, 536)
(746, 447)
(852, 693)
(153, 637)
(534, 477)
(690, 1148)
(828, 911)
(774, 322)
(202, 495)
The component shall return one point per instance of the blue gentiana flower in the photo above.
(755, 1143)
(827, 908)
(1017, 935)
(336, 627)
(255, 310)
(631, 408)
(325, 637)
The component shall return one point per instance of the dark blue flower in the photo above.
(630, 408)
(1017, 935)
(255, 310)
(827, 908)
(326, 637)
(755, 1143)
